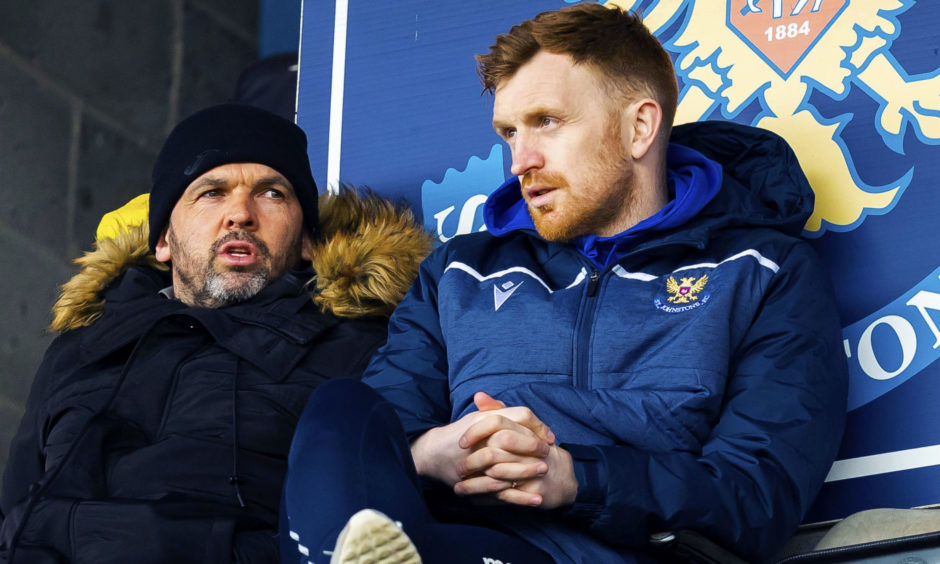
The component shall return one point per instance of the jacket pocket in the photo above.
(658, 408)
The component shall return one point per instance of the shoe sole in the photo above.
(370, 537)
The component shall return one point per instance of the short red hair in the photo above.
(614, 41)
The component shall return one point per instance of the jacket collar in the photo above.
(267, 330)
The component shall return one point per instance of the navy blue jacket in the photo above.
(697, 380)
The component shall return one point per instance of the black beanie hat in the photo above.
(230, 133)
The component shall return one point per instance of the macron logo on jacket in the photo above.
(501, 293)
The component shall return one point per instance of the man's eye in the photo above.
(509, 133)
(548, 122)
(213, 193)
(274, 193)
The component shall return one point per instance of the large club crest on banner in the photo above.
(389, 98)
(783, 37)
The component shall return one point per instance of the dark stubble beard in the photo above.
(215, 291)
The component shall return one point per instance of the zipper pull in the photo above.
(592, 283)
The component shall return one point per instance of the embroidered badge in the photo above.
(684, 294)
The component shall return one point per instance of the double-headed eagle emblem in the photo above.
(685, 291)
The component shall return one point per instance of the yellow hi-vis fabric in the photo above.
(131, 214)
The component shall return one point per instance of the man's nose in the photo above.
(526, 155)
(240, 212)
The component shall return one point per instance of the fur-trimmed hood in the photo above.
(366, 259)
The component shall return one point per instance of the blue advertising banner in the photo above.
(389, 98)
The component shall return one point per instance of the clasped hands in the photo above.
(498, 454)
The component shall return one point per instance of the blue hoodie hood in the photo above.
(692, 181)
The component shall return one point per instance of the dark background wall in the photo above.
(88, 91)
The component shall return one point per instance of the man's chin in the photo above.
(232, 287)
(551, 225)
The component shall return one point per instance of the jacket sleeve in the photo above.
(777, 434)
(410, 371)
(26, 464)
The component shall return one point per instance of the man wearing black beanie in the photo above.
(158, 426)
(246, 171)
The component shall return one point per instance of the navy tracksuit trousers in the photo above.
(350, 453)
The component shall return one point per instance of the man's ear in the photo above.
(162, 250)
(647, 117)
(306, 248)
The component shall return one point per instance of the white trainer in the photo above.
(370, 537)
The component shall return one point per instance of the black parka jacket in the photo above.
(157, 432)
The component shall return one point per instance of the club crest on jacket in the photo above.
(684, 294)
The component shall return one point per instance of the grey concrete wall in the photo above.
(88, 91)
